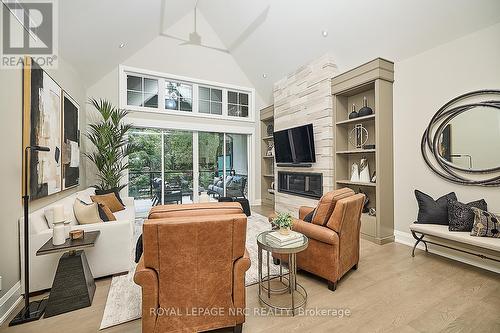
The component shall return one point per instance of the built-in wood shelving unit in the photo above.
(267, 162)
(373, 80)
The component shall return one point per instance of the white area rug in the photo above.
(124, 297)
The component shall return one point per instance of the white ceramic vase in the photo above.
(58, 233)
(364, 171)
(354, 173)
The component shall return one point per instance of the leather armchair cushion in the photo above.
(341, 215)
(327, 203)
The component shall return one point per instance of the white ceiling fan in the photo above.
(196, 39)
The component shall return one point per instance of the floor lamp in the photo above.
(34, 310)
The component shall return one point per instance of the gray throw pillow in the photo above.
(432, 211)
(461, 216)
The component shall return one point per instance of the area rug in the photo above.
(124, 297)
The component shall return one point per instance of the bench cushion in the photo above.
(457, 236)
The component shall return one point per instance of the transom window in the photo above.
(178, 96)
(142, 91)
(210, 100)
(237, 104)
(172, 94)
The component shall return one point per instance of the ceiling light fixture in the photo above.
(121, 46)
(324, 33)
(264, 76)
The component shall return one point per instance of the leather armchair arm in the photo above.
(147, 278)
(304, 210)
(316, 232)
(241, 265)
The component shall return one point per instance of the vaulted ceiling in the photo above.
(270, 37)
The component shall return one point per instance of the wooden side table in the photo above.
(73, 287)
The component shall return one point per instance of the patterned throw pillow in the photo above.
(461, 216)
(485, 224)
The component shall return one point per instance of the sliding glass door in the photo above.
(168, 166)
(177, 166)
(145, 168)
(211, 164)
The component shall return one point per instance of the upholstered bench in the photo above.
(483, 247)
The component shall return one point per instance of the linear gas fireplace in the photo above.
(302, 184)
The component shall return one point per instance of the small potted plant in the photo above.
(284, 222)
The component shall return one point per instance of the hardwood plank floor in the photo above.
(390, 292)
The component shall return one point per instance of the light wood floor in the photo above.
(390, 292)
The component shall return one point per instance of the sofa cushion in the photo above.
(432, 211)
(109, 200)
(326, 205)
(485, 224)
(461, 216)
(86, 213)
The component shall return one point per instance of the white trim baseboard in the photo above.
(407, 239)
(9, 301)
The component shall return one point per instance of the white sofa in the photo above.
(111, 254)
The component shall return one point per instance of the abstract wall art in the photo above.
(50, 119)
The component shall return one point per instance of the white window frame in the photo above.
(143, 91)
(195, 83)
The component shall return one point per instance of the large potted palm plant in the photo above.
(108, 136)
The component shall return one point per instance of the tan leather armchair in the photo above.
(192, 271)
(333, 236)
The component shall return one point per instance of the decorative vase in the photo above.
(366, 209)
(364, 171)
(353, 113)
(270, 129)
(284, 231)
(58, 233)
(354, 173)
(365, 110)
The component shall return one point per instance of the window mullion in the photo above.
(161, 94)
(195, 99)
(224, 103)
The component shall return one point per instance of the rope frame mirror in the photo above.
(430, 144)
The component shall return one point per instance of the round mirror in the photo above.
(462, 142)
(471, 140)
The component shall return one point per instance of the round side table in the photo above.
(288, 281)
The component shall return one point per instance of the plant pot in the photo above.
(284, 231)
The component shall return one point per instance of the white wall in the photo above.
(424, 83)
(11, 87)
(165, 55)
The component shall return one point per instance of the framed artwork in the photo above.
(71, 142)
(50, 119)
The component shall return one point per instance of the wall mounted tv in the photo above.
(295, 146)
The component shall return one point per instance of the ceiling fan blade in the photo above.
(214, 48)
(175, 37)
(250, 29)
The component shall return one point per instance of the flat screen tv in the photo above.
(295, 145)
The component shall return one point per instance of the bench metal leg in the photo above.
(419, 239)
